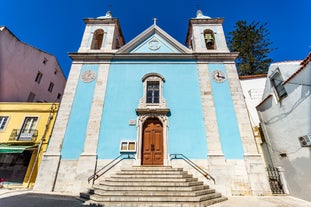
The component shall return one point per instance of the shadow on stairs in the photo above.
(151, 187)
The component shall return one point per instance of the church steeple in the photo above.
(205, 34)
(102, 34)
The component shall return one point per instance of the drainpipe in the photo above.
(52, 111)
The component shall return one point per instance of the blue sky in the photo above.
(57, 26)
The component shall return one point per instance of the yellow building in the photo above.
(25, 130)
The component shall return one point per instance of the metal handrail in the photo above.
(108, 167)
(192, 164)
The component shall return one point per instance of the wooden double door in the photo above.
(152, 142)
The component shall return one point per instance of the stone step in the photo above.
(143, 172)
(153, 187)
(213, 201)
(154, 193)
(130, 176)
(148, 179)
(149, 188)
(159, 204)
(152, 168)
(152, 183)
(124, 198)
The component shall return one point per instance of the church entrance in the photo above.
(152, 142)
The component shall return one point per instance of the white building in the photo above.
(28, 74)
(285, 117)
(253, 88)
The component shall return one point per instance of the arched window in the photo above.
(97, 40)
(209, 39)
(152, 91)
(153, 88)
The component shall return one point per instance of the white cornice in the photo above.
(230, 56)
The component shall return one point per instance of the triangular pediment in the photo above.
(154, 40)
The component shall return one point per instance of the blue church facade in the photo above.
(161, 96)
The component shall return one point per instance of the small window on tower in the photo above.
(97, 39)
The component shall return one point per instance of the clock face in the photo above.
(88, 76)
(218, 76)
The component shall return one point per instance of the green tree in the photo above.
(252, 43)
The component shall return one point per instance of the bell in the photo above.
(209, 40)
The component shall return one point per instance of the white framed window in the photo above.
(127, 146)
(3, 122)
(153, 91)
(28, 128)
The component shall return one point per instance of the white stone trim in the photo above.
(92, 134)
(154, 110)
(210, 121)
(162, 102)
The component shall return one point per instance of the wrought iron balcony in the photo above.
(21, 136)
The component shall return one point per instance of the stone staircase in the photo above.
(152, 186)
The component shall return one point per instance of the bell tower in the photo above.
(101, 34)
(206, 35)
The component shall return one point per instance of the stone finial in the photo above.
(201, 16)
(107, 16)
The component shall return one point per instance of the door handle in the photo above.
(152, 147)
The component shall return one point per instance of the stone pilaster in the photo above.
(253, 162)
(210, 121)
(242, 116)
(88, 159)
(51, 158)
(92, 133)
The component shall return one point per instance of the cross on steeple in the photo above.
(155, 21)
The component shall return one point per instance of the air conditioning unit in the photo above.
(305, 141)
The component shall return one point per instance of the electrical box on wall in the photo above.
(305, 141)
(127, 146)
